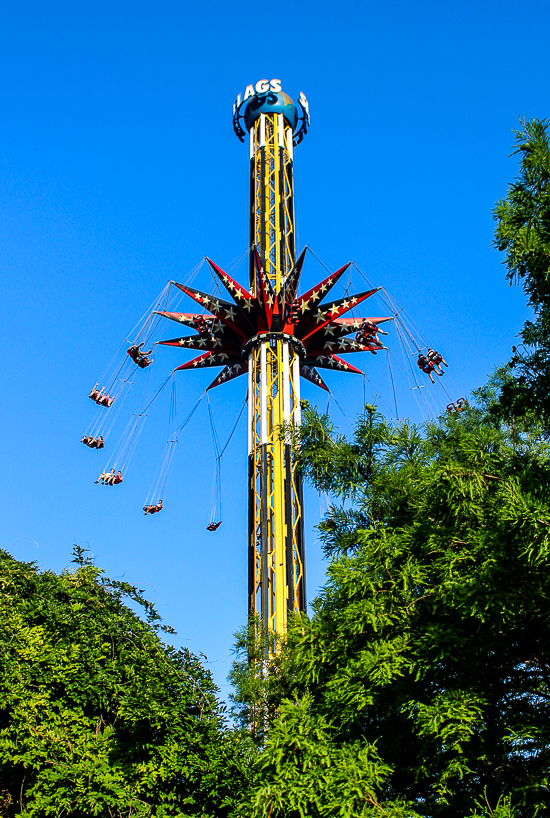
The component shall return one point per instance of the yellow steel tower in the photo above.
(276, 337)
(276, 579)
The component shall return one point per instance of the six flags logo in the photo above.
(262, 87)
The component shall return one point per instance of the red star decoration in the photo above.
(319, 328)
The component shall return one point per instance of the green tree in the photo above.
(523, 233)
(98, 717)
(421, 683)
(253, 677)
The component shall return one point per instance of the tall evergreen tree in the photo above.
(522, 233)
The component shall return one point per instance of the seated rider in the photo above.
(92, 442)
(426, 366)
(117, 478)
(153, 509)
(101, 398)
(138, 356)
(144, 360)
(94, 394)
(367, 333)
(103, 477)
(436, 359)
(135, 351)
(203, 325)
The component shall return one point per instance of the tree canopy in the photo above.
(98, 716)
(522, 233)
(421, 683)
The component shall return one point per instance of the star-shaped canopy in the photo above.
(320, 328)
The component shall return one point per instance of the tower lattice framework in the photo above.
(276, 560)
(275, 337)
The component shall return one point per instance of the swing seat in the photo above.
(213, 526)
(153, 508)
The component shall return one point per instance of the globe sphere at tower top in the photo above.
(270, 103)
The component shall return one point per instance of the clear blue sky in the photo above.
(119, 170)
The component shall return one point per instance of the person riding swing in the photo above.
(153, 509)
(436, 359)
(138, 356)
(104, 477)
(95, 393)
(93, 442)
(426, 366)
(144, 360)
(368, 333)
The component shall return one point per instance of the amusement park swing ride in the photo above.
(274, 336)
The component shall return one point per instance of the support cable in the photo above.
(392, 384)
(215, 516)
(158, 486)
(410, 373)
(122, 454)
(216, 498)
(234, 265)
(117, 383)
(340, 408)
(384, 296)
(245, 401)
